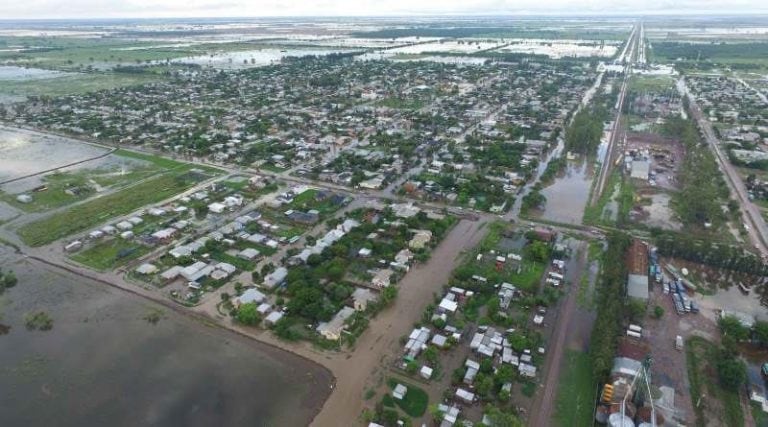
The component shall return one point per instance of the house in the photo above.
(249, 254)
(399, 392)
(124, 225)
(332, 329)
(637, 267)
(465, 396)
(420, 239)
(171, 273)
(264, 308)
(217, 207)
(275, 278)
(361, 297)
(426, 372)
(308, 218)
(417, 341)
(164, 235)
(146, 269)
(641, 169)
(251, 295)
(381, 279)
(273, 318)
(506, 295)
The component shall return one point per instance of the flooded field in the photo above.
(251, 58)
(13, 73)
(103, 363)
(108, 168)
(568, 196)
(25, 152)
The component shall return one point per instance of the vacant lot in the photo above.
(110, 254)
(81, 217)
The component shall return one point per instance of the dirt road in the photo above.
(544, 403)
(380, 345)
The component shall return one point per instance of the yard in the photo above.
(110, 254)
(415, 401)
(576, 392)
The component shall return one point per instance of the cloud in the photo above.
(262, 8)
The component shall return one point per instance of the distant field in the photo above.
(89, 214)
(86, 181)
(739, 54)
(75, 84)
(640, 83)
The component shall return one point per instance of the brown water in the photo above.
(103, 364)
(568, 195)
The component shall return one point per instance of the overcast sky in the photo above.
(10, 9)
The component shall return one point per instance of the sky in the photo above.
(48, 9)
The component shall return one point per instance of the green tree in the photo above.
(247, 314)
(761, 333)
(731, 326)
(731, 371)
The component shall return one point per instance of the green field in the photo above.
(110, 254)
(576, 392)
(83, 216)
(75, 84)
(415, 401)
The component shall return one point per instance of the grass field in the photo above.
(75, 84)
(110, 254)
(660, 84)
(576, 392)
(83, 216)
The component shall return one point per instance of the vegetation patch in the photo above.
(81, 217)
(576, 391)
(415, 401)
(110, 254)
(38, 321)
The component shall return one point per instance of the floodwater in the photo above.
(14, 73)
(568, 195)
(251, 58)
(104, 364)
(104, 166)
(25, 152)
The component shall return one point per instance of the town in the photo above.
(473, 224)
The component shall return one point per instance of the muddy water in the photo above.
(25, 152)
(104, 364)
(568, 196)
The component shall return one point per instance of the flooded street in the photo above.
(568, 195)
(104, 363)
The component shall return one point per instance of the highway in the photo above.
(753, 221)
